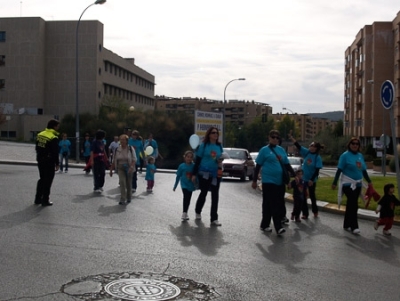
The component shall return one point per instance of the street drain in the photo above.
(142, 289)
(137, 286)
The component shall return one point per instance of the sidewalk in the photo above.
(24, 154)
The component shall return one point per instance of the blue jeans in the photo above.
(61, 162)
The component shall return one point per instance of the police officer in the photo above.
(48, 161)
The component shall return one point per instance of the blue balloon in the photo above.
(194, 141)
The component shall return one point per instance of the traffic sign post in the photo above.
(387, 98)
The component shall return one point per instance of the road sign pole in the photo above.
(387, 98)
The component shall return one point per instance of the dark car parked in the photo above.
(239, 165)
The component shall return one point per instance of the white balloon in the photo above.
(149, 150)
(194, 141)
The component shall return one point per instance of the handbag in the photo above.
(285, 173)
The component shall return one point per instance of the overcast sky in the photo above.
(291, 52)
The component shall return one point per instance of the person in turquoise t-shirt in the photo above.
(150, 171)
(86, 152)
(353, 168)
(273, 160)
(137, 143)
(184, 175)
(208, 157)
(312, 163)
(65, 151)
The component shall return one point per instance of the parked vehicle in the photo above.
(240, 165)
(296, 162)
(254, 156)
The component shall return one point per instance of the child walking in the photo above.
(299, 195)
(150, 171)
(184, 174)
(386, 208)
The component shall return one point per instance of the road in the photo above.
(86, 234)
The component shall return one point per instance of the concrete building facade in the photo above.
(38, 73)
(240, 112)
(370, 60)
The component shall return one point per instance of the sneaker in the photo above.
(101, 189)
(122, 203)
(356, 231)
(216, 223)
(268, 229)
(66, 171)
(185, 216)
(285, 220)
(133, 190)
(198, 216)
(128, 201)
(386, 233)
(376, 225)
(304, 217)
(281, 231)
(348, 229)
(98, 190)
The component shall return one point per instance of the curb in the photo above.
(333, 208)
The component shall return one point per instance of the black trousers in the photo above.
(205, 185)
(273, 205)
(187, 195)
(313, 198)
(350, 216)
(46, 176)
(99, 172)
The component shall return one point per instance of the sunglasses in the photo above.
(274, 137)
(213, 132)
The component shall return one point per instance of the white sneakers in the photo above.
(356, 231)
(216, 223)
(198, 216)
(268, 229)
(185, 216)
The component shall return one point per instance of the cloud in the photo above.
(290, 52)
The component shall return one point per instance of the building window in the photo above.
(2, 83)
(2, 60)
(2, 36)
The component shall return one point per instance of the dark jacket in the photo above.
(388, 202)
(47, 146)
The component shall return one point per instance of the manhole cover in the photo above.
(137, 286)
(142, 289)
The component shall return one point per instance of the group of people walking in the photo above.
(200, 171)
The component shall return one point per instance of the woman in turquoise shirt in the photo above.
(352, 167)
(206, 169)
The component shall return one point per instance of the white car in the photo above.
(296, 162)
(254, 156)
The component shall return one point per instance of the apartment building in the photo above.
(243, 112)
(306, 126)
(38, 73)
(240, 112)
(370, 60)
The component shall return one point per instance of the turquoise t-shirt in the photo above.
(209, 153)
(310, 163)
(65, 146)
(137, 144)
(184, 175)
(352, 165)
(271, 171)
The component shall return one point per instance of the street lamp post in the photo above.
(223, 121)
(77, 78)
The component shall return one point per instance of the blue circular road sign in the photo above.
(387, 94)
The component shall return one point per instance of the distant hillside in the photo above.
(334, 115)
